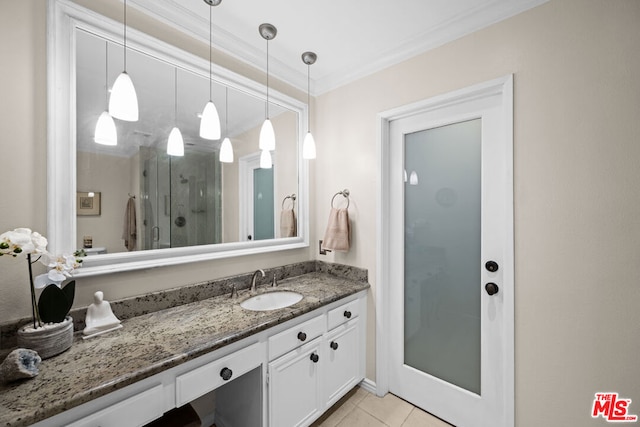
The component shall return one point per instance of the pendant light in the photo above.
(105, 132)
(267, 135)
(309, 145)
(210, 121)
(265, 159)
(175, 145)
(123, 102)
(226, 150)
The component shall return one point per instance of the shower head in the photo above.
(183, 180)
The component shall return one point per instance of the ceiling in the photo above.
(352, 38)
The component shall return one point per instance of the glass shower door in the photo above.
(155, 208)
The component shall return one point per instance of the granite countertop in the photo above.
(154, 342)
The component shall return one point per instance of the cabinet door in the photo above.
(341, 365)
(294, 389)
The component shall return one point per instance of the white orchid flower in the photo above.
(39, 242)
(61, 268)
(22, 241)
(42, 281)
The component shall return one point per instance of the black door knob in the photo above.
(314, 358)
(302, 336)
(347, 314)
(491, 288)
(491, 266)
(333, 345)
(226, 374)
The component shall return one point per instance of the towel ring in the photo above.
(293, 200)
(344, 193)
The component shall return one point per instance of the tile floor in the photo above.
(359, 408)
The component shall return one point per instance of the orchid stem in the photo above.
(35, 314)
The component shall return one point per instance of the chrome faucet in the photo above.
(253, 278)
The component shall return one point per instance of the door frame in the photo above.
(502, 87)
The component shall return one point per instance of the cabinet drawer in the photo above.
(202, 380)
(137, 410)
(342, 314)
(295, 336)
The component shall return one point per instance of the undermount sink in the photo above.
(271, 300)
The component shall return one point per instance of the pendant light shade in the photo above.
(309, 147)
(175, 146)
(210, 122)
(265, 159)
(226, 151)
(267, 136)
(309, 144)
(123, 102)
(267, 139)
(106, 133)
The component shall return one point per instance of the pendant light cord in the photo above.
(308, 98)
(210, 43)
(267, 106)
(125, 35)
(226, 110)
(175, 103)
(106, 74)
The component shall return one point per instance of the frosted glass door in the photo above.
(450, 255)
(442, 253)
(263, 215)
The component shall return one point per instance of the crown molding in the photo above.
(174, 14)
(463, 24)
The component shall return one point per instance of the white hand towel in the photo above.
(288, 226)
(336, 237)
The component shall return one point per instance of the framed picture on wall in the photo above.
(88, 203)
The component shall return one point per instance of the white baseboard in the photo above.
(368, 385)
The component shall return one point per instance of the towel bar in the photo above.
(293, 200)
(344, 193)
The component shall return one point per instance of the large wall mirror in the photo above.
(185, 208)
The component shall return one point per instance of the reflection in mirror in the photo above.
(151, 200)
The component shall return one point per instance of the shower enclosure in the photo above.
(181, 199)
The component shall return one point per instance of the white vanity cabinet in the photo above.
(311, 377)
(286, 375)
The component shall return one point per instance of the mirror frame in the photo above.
(64, 19)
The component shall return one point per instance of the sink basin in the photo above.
(271, 300)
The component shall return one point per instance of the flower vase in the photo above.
(49, 340)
